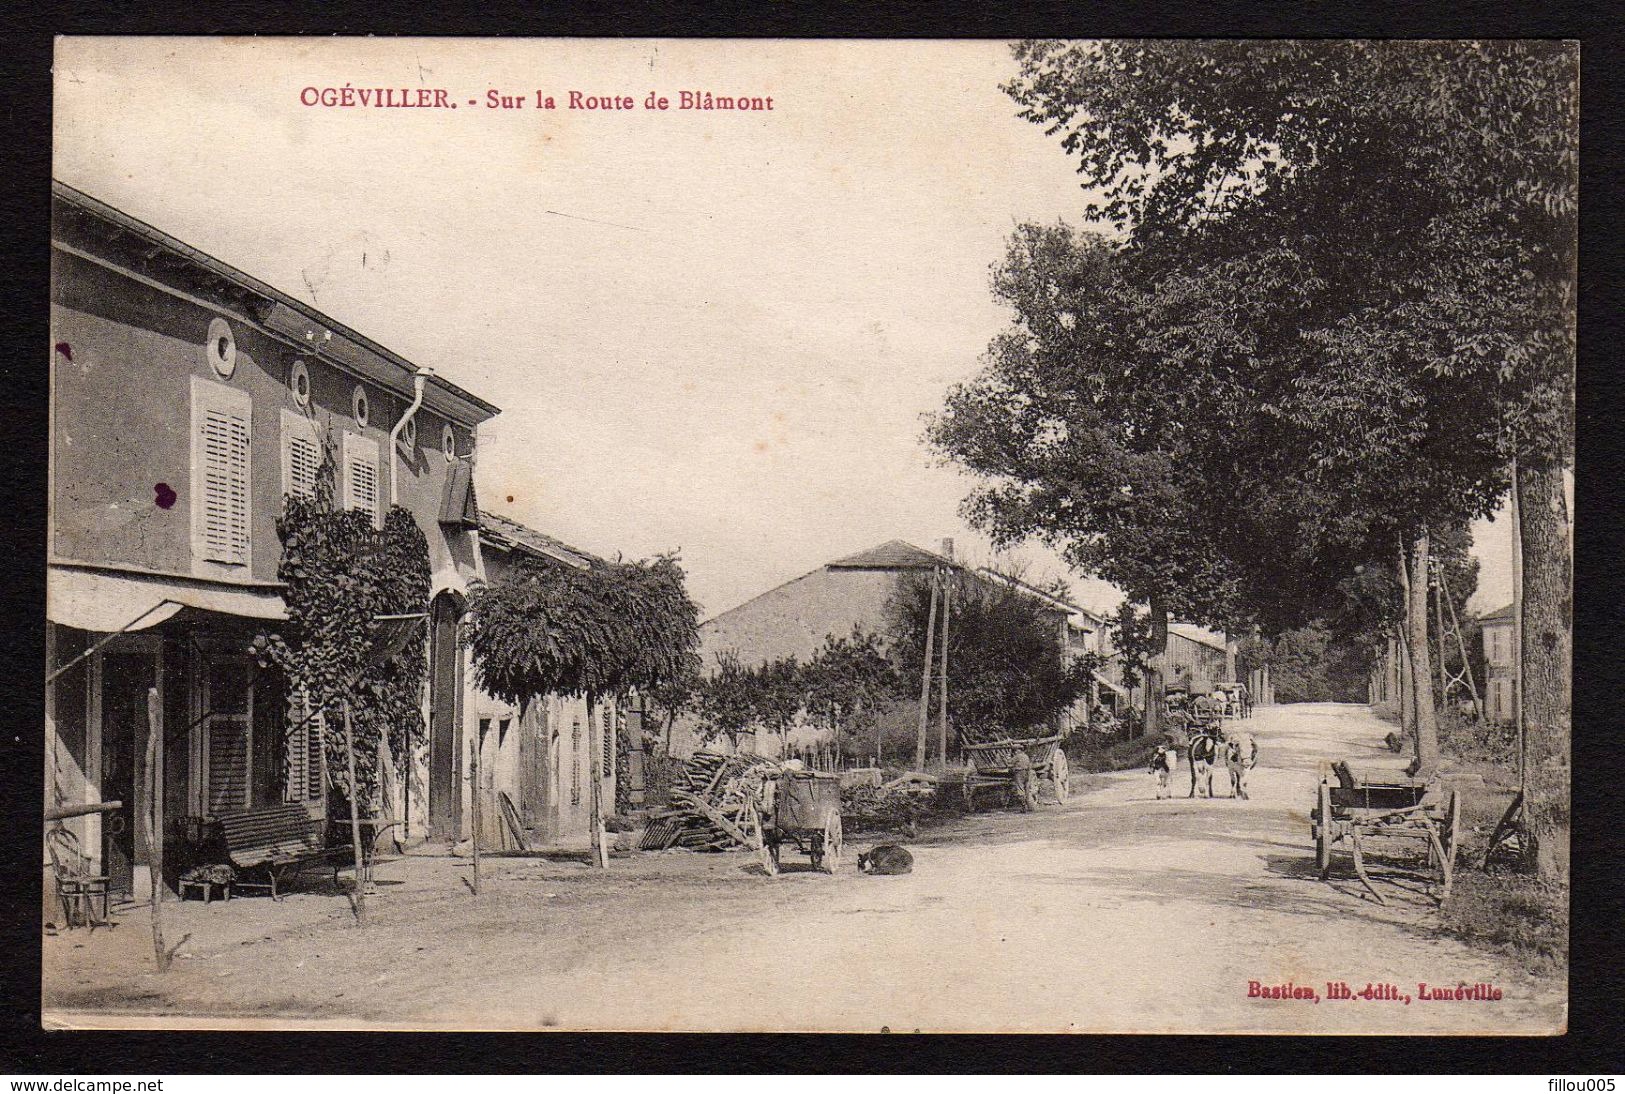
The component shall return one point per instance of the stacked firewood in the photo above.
(711, 809)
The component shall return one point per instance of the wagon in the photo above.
(991, 766)
(1350, 812)
(802, 808)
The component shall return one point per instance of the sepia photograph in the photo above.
(828, 536)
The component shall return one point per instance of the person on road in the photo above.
(1021, 778)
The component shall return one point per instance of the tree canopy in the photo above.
(613, 628)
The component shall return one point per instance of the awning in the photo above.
(106, 602)
(1118, 688)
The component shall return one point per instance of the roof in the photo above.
(1064, 603)
(893, 555)
(1500, 615)
(443, 392)
(512, 535)
(1202, 635)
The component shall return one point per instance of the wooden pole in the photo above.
(925, 679)
(1517, 631)
(355, 815)
(942, 712)
(1438, 627)
(474, 799)
(153, 817)
(595, 733)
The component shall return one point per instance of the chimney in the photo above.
(947, 550)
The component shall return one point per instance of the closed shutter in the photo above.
(221, 418)
(361, 474)
(313, 763)
(228, 764)
(301, 455)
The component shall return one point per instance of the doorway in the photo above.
(127, 670)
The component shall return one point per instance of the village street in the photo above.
(1114, 912)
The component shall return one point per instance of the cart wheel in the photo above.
(1061, 775)
(831, 850)
(769, 852)
(1323, 831)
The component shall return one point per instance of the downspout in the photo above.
(419, 379)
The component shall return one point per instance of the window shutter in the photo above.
(301, 455)
(220, 466)
(361, 475)
(228, 763)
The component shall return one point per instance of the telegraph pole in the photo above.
(925, 679)
(942, 713)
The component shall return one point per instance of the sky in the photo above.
(712, 332)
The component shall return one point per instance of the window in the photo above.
(221, 420)
(230, 737)
(304, 759)
(301, 455)
(359, 406)
(575, 762)
(448, 443)
(409, 434)
(361, 475)
(221, 348)
(299, 382)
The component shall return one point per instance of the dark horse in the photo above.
(1204, 756)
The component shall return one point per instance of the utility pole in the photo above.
(925, 679)
(942, 713)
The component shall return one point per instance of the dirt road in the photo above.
(1116, 912)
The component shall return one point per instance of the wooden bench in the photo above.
(277, 842)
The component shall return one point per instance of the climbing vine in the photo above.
(340, 573)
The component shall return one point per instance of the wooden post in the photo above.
(600, 837)
(942, 713)
(355, 815)
(1517, 631)
(474, 798)
(925, 679)
(153, 816)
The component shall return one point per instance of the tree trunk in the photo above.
(1547, 654)
(1156, 694)
(355, 818)
(1416, 592)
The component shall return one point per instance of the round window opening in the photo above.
(409, 433)
(299, 383)
(358, 403)
(221, 348)
(448, 443)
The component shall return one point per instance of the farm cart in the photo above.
(803, 808)
(1351, 811)
(993, 763)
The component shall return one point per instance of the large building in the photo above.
(1500, 667)
(187, 400)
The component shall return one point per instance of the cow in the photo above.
(1163, 762)
(1204, 754)
(1240, 756)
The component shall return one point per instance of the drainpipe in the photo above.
(419, 378)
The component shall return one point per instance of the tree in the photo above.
(1009, 671)
(725, 701)
(779, 690)
(846, 682)
(1430, 189)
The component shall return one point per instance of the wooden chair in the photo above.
(76, 886)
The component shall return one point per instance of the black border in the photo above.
(1597, 977)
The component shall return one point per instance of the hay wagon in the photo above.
(992, 767)
(801, 808)
(1349, 812)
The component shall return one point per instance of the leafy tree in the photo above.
(778, 688)
(847, 681)
(726, 701)
(1007, 671)
(1428, 190)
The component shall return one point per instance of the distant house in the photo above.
(794, 619)
(1500, 666)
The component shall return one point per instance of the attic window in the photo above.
(299, 382)
(448, 443)
(221, 348)
(359, 406)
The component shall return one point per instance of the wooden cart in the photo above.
(992, 765)
(1350, 812)
(803, 808)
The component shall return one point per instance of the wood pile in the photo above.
(711, 807)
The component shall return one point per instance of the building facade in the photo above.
(1500, 667)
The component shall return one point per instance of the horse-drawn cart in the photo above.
(993, 766)
(1351, 811)
(803, 808)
